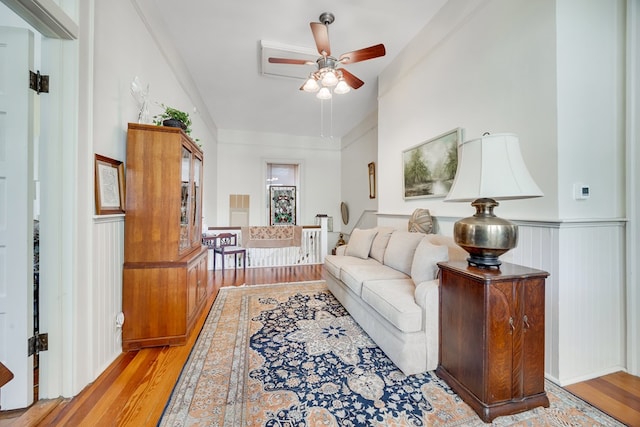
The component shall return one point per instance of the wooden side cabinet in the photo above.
(492, 337)
(165, 264)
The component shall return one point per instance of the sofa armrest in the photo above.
(341, 250)
(427, 297)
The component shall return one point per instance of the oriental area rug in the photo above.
(289, 355)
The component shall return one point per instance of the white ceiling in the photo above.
(220, 44)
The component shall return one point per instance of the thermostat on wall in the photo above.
(581, 191)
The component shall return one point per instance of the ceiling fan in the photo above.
(329, 73)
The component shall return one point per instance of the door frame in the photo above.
(632, 179)
(65, 200)
(17, 234)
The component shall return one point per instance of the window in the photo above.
(282, 174)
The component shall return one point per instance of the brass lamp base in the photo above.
(484, 235)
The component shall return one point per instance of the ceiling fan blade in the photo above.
(289, 61)
(363, 54)
(351, 80)
(321, 36)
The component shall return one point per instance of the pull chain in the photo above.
(322, 135)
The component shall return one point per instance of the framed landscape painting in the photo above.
(430, 167)
(282, 205)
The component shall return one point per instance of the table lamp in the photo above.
(490, 168)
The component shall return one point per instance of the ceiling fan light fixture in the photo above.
(329, 78)
(342, 87)
(311, 85)
(324, 93)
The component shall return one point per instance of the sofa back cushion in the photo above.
(380, 242)
(360, 242)
(400, 249)
(424, 266)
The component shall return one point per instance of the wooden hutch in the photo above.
(165, 263)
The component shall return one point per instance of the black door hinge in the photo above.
(38, 82)
(38, 343)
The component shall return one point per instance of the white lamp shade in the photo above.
(329, 79)
(492, 167)
(324, 93)
(342, 87)
(311, 85)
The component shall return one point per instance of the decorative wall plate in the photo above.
(344, 210)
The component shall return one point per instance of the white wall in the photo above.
(123, 50)
(633, 185)
(462, 71)
(241, 161)
(359, 148)
(551, 71)
(591, 107)
(125, 47)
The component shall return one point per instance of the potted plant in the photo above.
(173, 118)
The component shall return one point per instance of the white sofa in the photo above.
(387, 281)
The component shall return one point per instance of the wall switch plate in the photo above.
(581, 191)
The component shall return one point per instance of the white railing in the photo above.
(312, 250)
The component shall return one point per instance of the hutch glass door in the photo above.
(185, 203)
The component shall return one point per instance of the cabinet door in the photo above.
(192, 290)
(500, 342)
(533, 337)
(202, 279)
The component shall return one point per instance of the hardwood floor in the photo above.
(133, 391)
(617, 394)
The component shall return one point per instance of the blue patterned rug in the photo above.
(290, 355)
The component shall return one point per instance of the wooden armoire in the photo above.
(165, 263)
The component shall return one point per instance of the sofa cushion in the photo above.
(360, 242)
(400, 250)
(394, 300)
(334, 263)
(380, 242)
(354, 275)
(424, 266)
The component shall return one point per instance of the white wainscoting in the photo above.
(585, 294)
(586, 318)
(108, 257)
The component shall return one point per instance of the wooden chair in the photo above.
(226, 244)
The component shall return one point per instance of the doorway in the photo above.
(17, 142)
(55, 251)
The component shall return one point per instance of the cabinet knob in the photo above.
(513, 327)
(525, 319)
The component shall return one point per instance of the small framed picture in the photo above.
(109, 186)
(372, 180)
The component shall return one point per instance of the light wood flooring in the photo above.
(135, 388)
